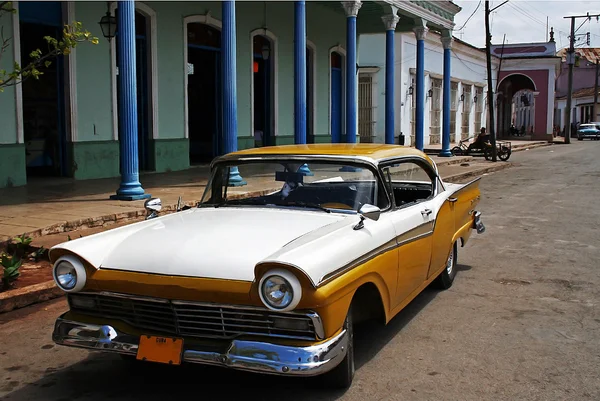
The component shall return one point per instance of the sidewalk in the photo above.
(61, 205)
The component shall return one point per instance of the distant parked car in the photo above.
(589, 130)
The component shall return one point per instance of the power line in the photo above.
(526, 13)
(470, 16)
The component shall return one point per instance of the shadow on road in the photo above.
(104, 376)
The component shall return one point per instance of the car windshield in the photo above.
(319, 185)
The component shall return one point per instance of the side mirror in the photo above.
(367, 212)
(370, 212)
(152, 206)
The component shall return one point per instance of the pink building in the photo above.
(525, 89)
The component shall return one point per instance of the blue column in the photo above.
(299, 72)
(447, 42)
(130, 187)
(351, 8)
(300, 77)
(420, 32)
(390, 22)
(229, 85)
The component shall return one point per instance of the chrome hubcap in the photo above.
(450, 262)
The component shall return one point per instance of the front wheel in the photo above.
(342, 375)
(446, 277)
(457, 151)
(487, 152)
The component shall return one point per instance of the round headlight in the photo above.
(280, 290)
(69, 274)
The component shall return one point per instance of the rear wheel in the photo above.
(342, 375)
(504, 153)
(446, 277)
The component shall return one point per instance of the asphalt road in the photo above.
(521, 322)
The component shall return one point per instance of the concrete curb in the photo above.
(533, 146)
(467, 174)
(32, 294)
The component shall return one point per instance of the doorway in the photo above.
(262, 76)
(310, 118)
(204, 92)
(336, 97)
(44, 103)
(142, 63)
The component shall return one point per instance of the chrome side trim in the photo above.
(256, 356)
(421, 231)
(388, 246)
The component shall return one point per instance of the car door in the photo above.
(413, 188)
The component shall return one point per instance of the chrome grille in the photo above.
(191, 319)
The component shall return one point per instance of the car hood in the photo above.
(224, 243)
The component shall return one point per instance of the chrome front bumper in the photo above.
(255, 356)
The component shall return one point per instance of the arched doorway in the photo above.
(336, 96)
(43, 100)
(143, 65)
(204, 91)
(516, 104)
(263, 87)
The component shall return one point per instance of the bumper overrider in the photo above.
(478, 224)
(255, 356)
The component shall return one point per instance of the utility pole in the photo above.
(595, 110)
(571, 61)
(488, 56)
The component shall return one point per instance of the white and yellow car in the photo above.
(270, 276)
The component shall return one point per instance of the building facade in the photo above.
(525, 89)
(183, 82)
(584, 78)
(468, 88)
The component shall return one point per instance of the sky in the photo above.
(525, 21)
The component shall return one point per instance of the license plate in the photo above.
(160, 349)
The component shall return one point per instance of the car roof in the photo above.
(370, 152)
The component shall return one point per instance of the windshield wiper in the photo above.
(305, 204)
(261, 202)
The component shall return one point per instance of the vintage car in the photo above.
(288, 248)
(589, 131)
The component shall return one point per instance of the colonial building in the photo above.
(467, 107)
(525, 89)
(584, 78)
(183, 82)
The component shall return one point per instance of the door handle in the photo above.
(452, 200)
(426, 212)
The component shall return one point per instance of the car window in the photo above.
(409, 182)
(335, 186)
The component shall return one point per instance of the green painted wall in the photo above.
(325, 29)
(12, 165)
(93, 159)
(170, 154)
(8, 129)
(94, 93)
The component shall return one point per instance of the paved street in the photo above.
(522, 321)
